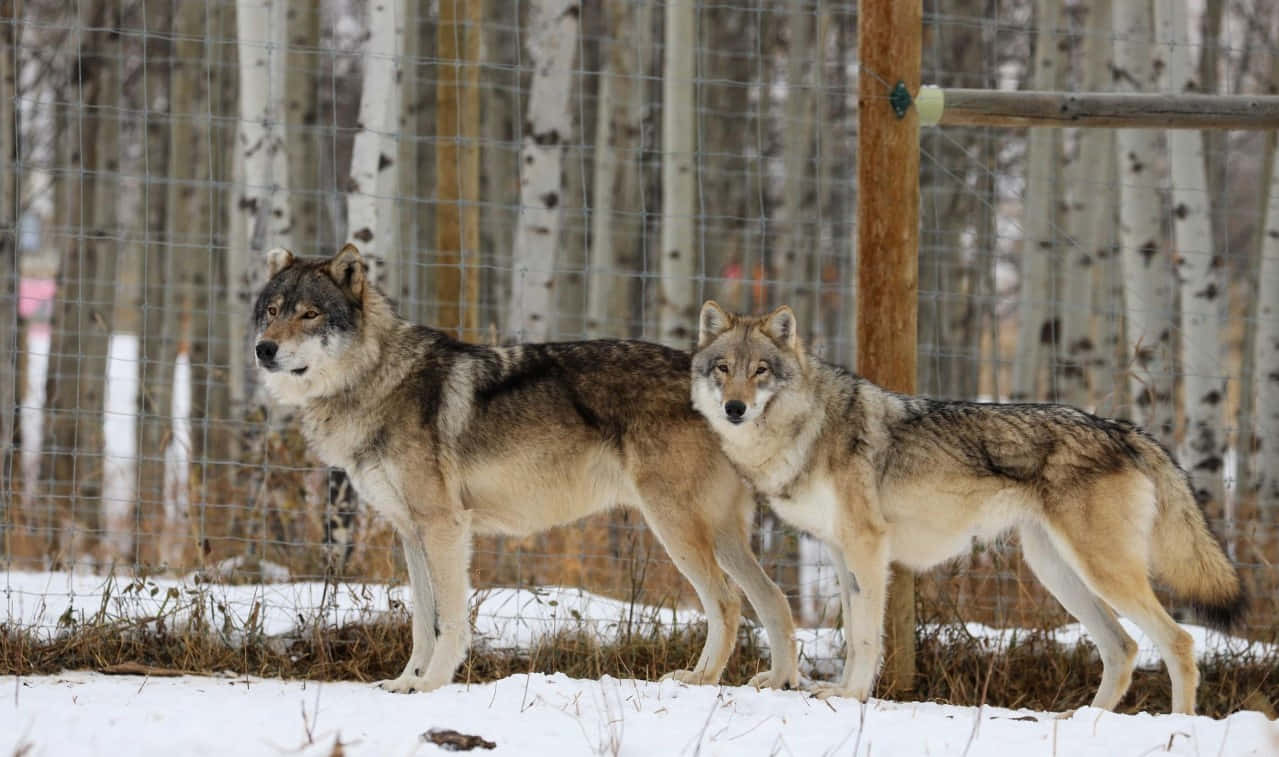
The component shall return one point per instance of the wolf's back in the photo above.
(1184, 552)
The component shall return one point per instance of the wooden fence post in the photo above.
(889, 40)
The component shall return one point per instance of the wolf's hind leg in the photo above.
(1114, 566)
(1116, 648)
(732, 549)
(689, 540)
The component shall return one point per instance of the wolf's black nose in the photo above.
(735, 409)
(266, 351)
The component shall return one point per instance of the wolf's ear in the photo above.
(277, 259)
(711, 323)
(347, 269)
(780, 325)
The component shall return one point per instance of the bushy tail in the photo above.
(1185, 554)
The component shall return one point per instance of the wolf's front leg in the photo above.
(863, 580)
(424, 617)
(448, 559)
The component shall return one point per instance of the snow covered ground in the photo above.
(90, 714)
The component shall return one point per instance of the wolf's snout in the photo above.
(266, 351)
(735, 409)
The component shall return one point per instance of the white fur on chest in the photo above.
(381, 486)
(814, 507)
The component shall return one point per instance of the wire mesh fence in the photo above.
(504, 165)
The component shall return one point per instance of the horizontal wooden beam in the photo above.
(1107, 110)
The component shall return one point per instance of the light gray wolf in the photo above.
(1098, 504)
(447, 439)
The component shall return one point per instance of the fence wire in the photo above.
(147, 146)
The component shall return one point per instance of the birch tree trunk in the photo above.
(124, 356)
(370, 216)
(1091, 178)
(1215, 141)
(793, 262)
(677, 306)
(263, 205)
(552, 44)
(1147, 280)
(618, 138)
(1265, 467)
(175, 532)
(1197, 266)
(1037, 331)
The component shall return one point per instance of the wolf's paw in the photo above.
(691, 677)
(406, 684)
(828, 690)
(775, 679)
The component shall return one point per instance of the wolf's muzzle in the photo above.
(265, 351)
(735, 409)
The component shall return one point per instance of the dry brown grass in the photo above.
(1032, 673)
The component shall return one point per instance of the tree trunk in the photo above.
(78, 347)
(1037, 330)
(1198, 272)
(1215, 141)
(1147, 280)
(457, 172)
(124, 369)
(677, 306)
(8, 262)
(187, 267)
(370, 216)
(1265, 469)
(948, 321)
(552, 44)
(618, 138)
(793, 264)
(1091, 179)
(263, 205)
(301, 113)
(175, 531)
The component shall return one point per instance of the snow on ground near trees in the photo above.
(90, 714)
(505, 618)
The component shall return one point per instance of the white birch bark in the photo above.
(1265, 346)
(677, 308)
(1143, 256)
(552, 45)
(617, 131)
(1198, 272)
(177, 465)
(1037, 304)
(1091, 179)
(262, 205)
(120, 448)
(370, 204)
(793, 263)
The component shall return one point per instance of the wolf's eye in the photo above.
(722, 367)
(308, 315)
(762, 369)
(271, 311)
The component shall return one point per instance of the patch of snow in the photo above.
(91, 714)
